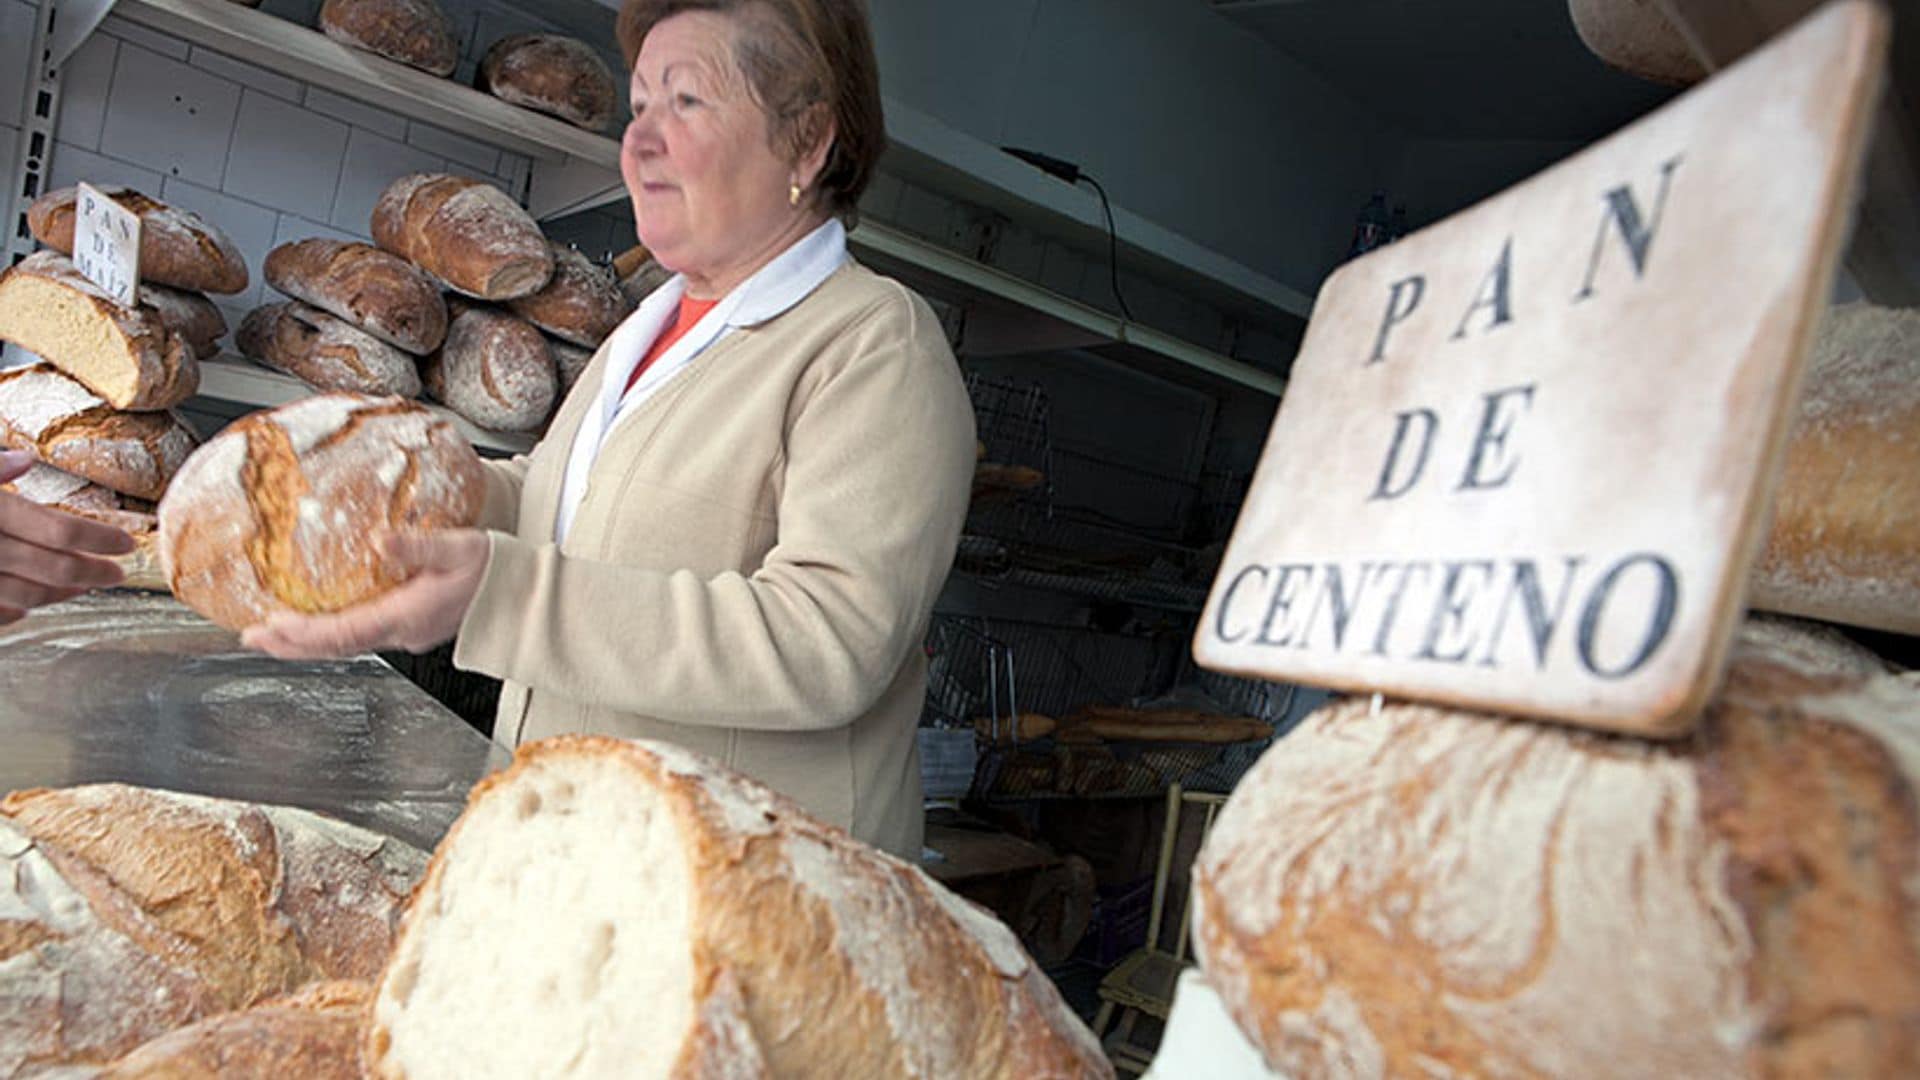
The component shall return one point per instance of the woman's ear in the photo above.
(817, 132)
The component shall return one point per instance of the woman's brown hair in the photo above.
(797, 54)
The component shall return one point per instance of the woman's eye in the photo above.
(685, 101)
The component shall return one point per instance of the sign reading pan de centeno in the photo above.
(1524, 459)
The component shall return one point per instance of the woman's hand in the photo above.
(423, 612)
(47, 556)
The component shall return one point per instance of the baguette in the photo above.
(177, 247)
(127, 912)
(61, 423)
(494, 369)
(581, 303)
(416, 33)
(1024, 727)
(125, 355)
(552, 74)
(379, 293)
(281, 511)
(467, 234)
(325, 352)
(688, 921)
(1431, 892)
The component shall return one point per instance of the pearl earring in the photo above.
(793, 194)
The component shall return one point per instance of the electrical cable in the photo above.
(1069, 172)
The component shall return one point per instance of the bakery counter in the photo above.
(134, 687)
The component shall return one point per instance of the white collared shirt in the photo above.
(774, 288)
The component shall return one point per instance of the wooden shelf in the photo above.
(240, 381)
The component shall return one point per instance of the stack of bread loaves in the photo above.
(126, 913)
(357, 319)
(97, 407)
(643, 911)
(1413, 890)
(493, 367)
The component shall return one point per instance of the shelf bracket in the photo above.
(559, 188)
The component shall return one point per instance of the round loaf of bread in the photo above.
(495, 370)
(324, 352)
(581, 303)
(1425, 892)
(127, 912)
(378, 292)
(553, 74)
(1845, 541)
(654, 915)
(470, 235)
(177, 247)
(282, 510)
(416, 33)
(191, 316)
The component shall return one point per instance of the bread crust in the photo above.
(379, 293)
(581, 303)
(467, 234)
(495, 370)
(282, 510)
(66, 426)
(416, 33)
(814, 955)
(1426, 891)
(127, 912)
(325, 352)
(177, 247)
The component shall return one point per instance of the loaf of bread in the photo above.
(63, 424)
(127, 912)
(177, 247)
(282, 510)
(1845, 541)
(190, 315)
(569, 360)
(467, 234)
(651, 914)
(325, 352)
(495, 370)
(1118, 723)
(581, 303)
(416, 33)
(64, 491)
(1436, 893)
(125, 355)
(380, 293)
(1636, 37)
(314, 1033)
(557, 75)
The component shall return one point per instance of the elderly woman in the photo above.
(733, 533)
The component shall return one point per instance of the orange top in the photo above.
(691, 311)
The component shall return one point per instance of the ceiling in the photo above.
(1455, 69)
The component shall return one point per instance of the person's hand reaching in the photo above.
(48, 555)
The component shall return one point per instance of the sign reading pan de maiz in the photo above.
(1524, 459)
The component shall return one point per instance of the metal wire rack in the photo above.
(985, 675)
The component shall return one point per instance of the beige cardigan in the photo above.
(752, 566)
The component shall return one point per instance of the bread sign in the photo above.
(1524, 459)
(106, 245)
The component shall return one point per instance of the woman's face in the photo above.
(709, 194)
